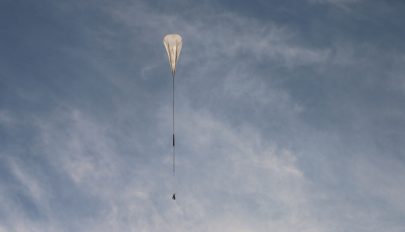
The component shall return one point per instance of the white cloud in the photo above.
(235, 162)
(224, 36)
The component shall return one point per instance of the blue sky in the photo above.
(290, 116)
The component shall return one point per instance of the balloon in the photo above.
(172, 44)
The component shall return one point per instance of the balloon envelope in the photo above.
(173, 45)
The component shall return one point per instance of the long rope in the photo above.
(173, 128)
(174, 148)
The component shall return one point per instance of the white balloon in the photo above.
(173, 43)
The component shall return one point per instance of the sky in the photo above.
(290, 116)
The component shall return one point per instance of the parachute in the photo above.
(173, 43)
